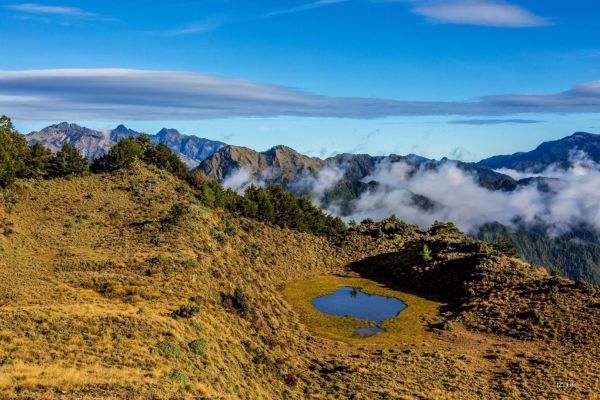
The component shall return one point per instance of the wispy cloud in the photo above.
(476, 12)
(108, 94)
(65, 11)
(305, 7)
(494, 121)
(203, 26)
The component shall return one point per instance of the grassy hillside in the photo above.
(107, 291)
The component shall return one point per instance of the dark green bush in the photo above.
(272, 205)
(14, 153)
(444, 228)
(121, 155)
(241, 302)
(67, 161)
(185, 311)
(127, 150)
(506, 247)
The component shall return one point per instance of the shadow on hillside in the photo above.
(402, 271)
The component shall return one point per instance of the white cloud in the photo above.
(239, 180)
(305, 7)
(124, 94)
(194, 27)
(65, 11)
(478, 12)
(573, 199)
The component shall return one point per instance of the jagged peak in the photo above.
(168, 131)
(121, 127)
(66, 125)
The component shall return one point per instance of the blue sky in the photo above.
(459, 78)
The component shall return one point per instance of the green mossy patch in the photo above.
(406, 327)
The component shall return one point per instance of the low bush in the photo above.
(169, 348)
(444, 228)
(185, 311)
(179, 377)
(241, 302)
(198, 346)
(426, 253)
(197, 326)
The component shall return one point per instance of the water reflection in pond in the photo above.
(348, 301)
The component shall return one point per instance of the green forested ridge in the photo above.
(574, 258)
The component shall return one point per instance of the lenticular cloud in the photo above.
(109, 94)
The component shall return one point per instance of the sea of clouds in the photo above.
(570, 198)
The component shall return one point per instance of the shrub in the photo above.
(164, 158)
(506, 247)
(39, 161)
(127, 150)
(291, 379)
(444, 228)
(179, 377)
(191, 263)
(426, 253)
(67, 161)
(486, 247)
(14, 152)
(272, 205)
(169, 348)
(121, 155)
(7, 230)
(197, 326)
(160, 260)
(555, 272)
(229, 228)
(175, 215)
(251, 251)
(241, 302)
(391, 225)
(185, 311)
(198, 346)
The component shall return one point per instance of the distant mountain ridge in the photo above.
(283, 165)
(557, 152)
(279, 164)
(93, 143)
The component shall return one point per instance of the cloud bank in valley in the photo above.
(109, 94)
(573, 198)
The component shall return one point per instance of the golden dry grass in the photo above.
(88, 279)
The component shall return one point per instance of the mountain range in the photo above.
(557, 152)
(339, 182)
(93, 143)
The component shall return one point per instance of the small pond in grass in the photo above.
(348, 301)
